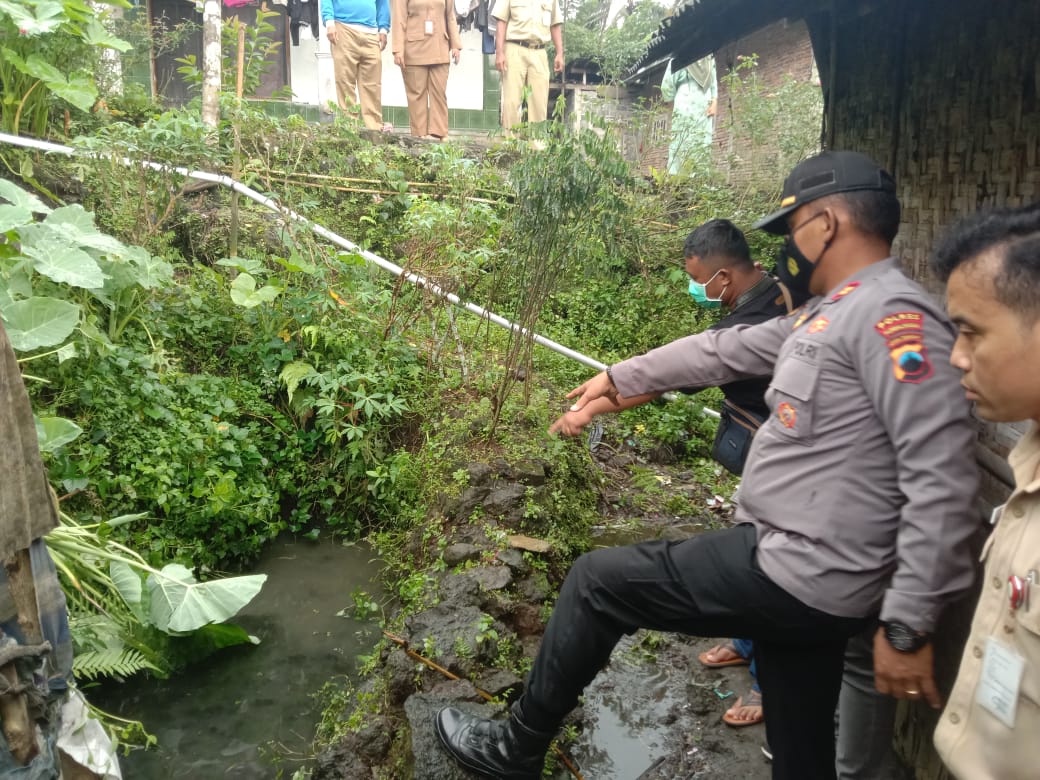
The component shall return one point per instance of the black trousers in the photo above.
(710, 585)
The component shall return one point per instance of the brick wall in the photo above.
(642, 123)
(784, 51)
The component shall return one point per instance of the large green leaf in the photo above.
(37, 67)
(127, 581)
(63, 262)
(95, 34)
(244, 292)
(179, 603)
(79, 90)
(39, 322)
(46, 17)
(76, 225)
(16, 196)
(55, 432)
(12, 217)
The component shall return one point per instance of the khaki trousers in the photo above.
(530, 67)
(357, 61)
(426, 87)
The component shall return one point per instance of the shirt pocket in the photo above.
(415, 28)
(793, 393)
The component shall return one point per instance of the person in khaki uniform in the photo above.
(525, 28)
(991, 724)
(357, 30)
(425, 38)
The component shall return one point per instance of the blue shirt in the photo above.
(367, 13)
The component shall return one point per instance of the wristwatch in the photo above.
(903, 638)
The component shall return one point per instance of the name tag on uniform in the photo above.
(546, 18)
(429, 26)
(1001, 677)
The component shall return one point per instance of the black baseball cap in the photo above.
(826, 174)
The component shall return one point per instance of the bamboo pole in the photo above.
(365, 190)
(403, 643)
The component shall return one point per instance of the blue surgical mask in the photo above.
(700, 294)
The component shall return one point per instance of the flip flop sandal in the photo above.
(738, 661)
(754, 700)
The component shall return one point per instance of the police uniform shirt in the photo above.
(861, 481)
(989, 730)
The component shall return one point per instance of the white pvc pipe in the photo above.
(338, 240)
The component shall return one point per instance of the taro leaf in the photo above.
(95, 34)
(55, 432)
(76, 225)
(247, 265)
(208, 639)
(13, 216)
(48, 16)
(64, 262)
(179, 603)
(80, 91)
(127, 581)
(244, 292)
(66, 352)
(77, 89)
(39, 68)
(39, 322)
(16, 196)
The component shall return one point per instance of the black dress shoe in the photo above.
(499, 749)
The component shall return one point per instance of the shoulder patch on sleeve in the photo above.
(903, 332)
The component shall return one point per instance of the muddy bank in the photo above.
(654, 713)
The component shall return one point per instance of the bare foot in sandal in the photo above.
(746, 711)
(722, 655)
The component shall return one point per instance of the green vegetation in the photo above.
(213, 399)
(612, 44)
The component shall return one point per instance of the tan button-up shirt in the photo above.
(528, 20)
(973, 742)
(409, 36)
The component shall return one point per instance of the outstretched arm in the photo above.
(572, 422)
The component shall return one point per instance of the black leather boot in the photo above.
(500, 749)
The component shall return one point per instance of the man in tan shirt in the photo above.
(357, 30)
(524, 30)
(990, 729)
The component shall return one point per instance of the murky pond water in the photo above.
(220, 717)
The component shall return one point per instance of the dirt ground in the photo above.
(655, 713)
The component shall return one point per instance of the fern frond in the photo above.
(111, 662)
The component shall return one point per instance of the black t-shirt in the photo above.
(750, 394)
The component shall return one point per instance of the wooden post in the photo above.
(14, 709)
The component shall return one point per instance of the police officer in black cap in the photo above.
(856, 501)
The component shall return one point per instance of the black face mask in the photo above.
(793, 268)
